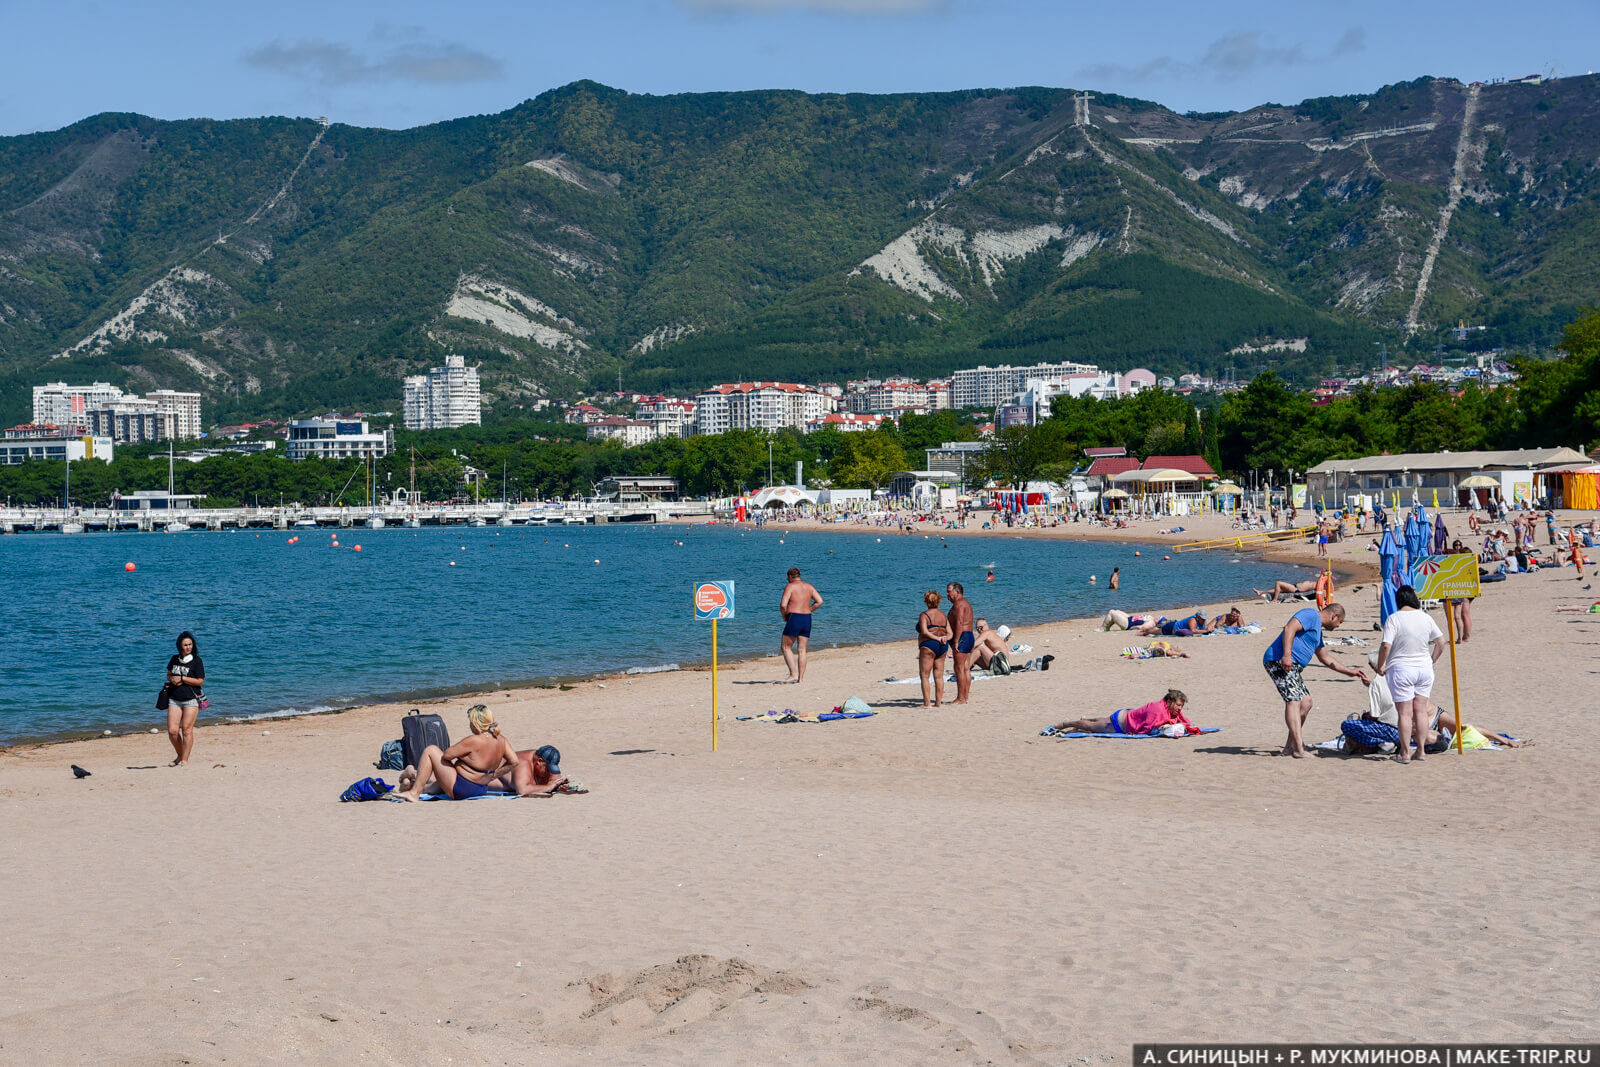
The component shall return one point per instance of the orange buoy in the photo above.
(1166, 557)
(357, 548)
(1138, 553)
(129, 567)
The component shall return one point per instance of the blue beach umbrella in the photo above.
(1388, 551)
(1417, 539)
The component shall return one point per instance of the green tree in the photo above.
(874, 458)
(1263, 426)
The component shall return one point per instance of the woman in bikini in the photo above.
(467, 769)
(933, 642)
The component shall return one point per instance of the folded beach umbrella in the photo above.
(1441, 536)
(1388, 551)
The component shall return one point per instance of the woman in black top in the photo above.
(185, 675)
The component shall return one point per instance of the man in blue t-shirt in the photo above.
(1290, 654)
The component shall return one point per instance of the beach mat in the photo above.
(792, 717)
(1080, 733)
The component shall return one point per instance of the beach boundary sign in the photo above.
(1447, 577)
(713, 601)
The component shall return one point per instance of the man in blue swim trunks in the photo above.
(962, 639)
(800, 598)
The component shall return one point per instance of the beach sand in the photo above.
(921, 886)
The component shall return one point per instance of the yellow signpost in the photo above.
(1449, 578)
(713, 601)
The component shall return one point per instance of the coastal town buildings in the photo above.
(846, 422)
(671, 416)
(1031, 404)
(582, 415)
(132, 422)
(104, 409)
(444, 398)
(184, 409)
(986, 387)
(758, 406)
(24, 444)
(337, 438)
(896, 395)
(630, 432)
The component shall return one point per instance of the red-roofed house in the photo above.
(1195, 465)
(1110, 450)
(1107, 466)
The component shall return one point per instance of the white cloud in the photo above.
(1230, 56)
(392, 54)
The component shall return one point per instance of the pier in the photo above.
(405, 516)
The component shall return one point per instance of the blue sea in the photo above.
(286, 628)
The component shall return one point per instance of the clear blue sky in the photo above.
(405, 63)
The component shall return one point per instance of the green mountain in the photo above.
(282, 265)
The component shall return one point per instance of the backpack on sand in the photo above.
(392, 757)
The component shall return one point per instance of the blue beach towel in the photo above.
(1052, 732)
(829, 716)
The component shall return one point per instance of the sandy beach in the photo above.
(921, 886)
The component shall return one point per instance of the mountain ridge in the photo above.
(283, 265)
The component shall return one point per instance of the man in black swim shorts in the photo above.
(800, 598)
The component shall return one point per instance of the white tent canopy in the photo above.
(782, 496)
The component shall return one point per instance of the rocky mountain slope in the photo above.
(282, 265)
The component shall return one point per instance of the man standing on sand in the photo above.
(962, 639)
(799, 600)
(1290, 654)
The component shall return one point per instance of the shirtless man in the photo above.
(537, 773)
(960, 615)
(1282, 588)
(799, 600)
(987, 644)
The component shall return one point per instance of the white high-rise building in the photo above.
(68, 406)
(446, 396)
(184, 409)
(984, 387)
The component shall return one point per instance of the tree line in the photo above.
(1267, 425)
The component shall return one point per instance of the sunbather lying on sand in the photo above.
(1282, 588)
(538, 774)
(1152, 716)
(1121, 620)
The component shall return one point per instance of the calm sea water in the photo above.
(286, 628)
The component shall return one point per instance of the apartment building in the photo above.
(132, 422)
(983, 387)
(671, 416)
(445, 397)
(184, 409)
(846, 422)
(630, 432)
(100, 407)
(758, 406)
(68, 406)
(897, 394)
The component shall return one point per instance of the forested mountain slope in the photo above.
(280, 265)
